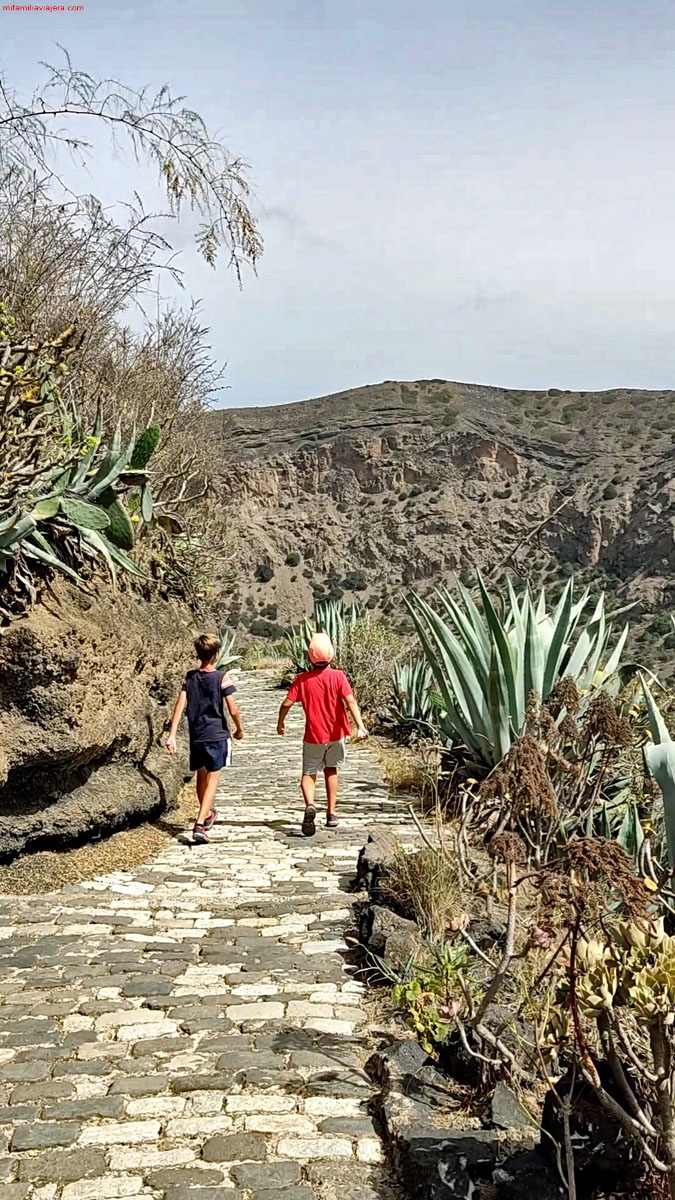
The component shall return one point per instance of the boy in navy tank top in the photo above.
(206, 692)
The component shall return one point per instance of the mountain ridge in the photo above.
(400, 483)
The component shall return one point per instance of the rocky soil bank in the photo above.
(86, 682)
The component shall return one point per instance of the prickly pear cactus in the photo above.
(120, 530)
(144, 449)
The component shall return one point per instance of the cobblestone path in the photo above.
(191, 1029)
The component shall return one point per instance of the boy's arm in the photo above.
(283, 713)
(234, 713)
(178, 710)
(361, 731)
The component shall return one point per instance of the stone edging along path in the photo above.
(191, 1029)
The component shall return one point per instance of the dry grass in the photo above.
(407, 769)
(265, 658)
(424, 886)
(49, 870)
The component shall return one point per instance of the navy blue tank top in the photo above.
(205, 705)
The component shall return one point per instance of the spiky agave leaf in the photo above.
(659, 755)
(226, 656)
(20, 526)
(33, 549)
(411, 685)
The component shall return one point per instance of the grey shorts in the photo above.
(322, 756)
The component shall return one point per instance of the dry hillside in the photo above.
(399, 484)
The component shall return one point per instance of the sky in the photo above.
(476, 190)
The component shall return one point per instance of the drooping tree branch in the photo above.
(196, 169)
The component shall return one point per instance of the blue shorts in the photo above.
(210, 756)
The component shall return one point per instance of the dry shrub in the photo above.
(370, 648)
(408, 769)
(424, 886)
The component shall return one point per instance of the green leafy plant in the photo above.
(431, 991)
(659, 756)
(618, 996)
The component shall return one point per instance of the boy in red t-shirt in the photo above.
(326, 696)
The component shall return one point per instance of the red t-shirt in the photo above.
(321, 691)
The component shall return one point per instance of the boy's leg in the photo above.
(202, 776)
(208, 795)
(334, 760)
(331, 777)
(308, 788)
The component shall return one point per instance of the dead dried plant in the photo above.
(423, 885)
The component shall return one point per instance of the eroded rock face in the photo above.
(85, 686)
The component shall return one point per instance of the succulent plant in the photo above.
(333, 617)
(486, 666)
(226, 656)
(413, 703)
(145, 447)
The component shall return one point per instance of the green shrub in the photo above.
(264, 572)
(610, 492)
(561, 435)
(371, 602)
(292, 559)
(307, 574)
(342, 507)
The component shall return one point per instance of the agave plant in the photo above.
(84, 496)
(333, 617)
(486, 667)
(226, 656)
(81, 498)
(659, 755)
(412, 683)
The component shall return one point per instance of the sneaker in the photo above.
(211, 819)
(199, 833)
(332, 822)
(309, 821)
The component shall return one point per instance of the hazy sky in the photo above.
(478, 190)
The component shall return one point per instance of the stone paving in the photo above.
(192, 1029)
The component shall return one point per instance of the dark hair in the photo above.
(206, 647)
